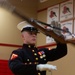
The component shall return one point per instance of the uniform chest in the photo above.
(34, 56)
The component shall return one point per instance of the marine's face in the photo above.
(29, 37)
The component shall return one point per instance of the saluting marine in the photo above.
(29, 60)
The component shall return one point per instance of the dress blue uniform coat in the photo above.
(23, 61)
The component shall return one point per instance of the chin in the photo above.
(33, 43)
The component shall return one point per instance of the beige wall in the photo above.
(9, 34)
(28, 7)
(8, 27)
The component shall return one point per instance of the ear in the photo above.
(22, 36)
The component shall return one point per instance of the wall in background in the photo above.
(10, 35)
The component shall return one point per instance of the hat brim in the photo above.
(30, 29)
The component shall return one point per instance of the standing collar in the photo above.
(28, 46)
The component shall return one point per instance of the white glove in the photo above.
(44, 67)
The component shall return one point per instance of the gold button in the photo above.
(39, 74)
(44, 59)
(29, 46)
(25, 63)
(44, 55)
(41, 57)
(32, 50)
(35, 62)
(35, 54)
(27, 59)
(36, 58)
(30, 63)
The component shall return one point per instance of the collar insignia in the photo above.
(14, 56)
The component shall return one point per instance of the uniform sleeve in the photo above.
(17, 66)
(56, 53)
